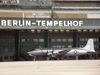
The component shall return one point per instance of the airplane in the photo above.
(56, 52)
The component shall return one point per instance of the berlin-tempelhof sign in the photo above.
(47, 23)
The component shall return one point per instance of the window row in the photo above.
(28, 48)
(62, 40)
(51, 40)
(7, 40)
(32, 40)
(86, 39)
(7, 49)
(6, 57)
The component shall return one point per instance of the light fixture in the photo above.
(61, 31)
(56, 31)
(32, 31)
(38, 31)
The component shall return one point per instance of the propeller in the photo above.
(51, 53)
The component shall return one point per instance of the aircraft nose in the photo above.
(29, 52)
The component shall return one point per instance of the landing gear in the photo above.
(34, 58)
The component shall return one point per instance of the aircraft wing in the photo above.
(64, 52)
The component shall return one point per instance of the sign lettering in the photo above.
(48, 23)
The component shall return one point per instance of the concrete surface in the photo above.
(64, 67)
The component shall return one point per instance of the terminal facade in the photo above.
(29, 24)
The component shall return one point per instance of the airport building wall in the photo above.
(24, 29)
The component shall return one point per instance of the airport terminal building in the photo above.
(29, 24)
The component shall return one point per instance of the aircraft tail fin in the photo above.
(89, 45)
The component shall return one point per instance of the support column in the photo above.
(46, 40)
(17, 45)
(75, 40)
(98, 47)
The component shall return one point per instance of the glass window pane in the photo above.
(12, 48)
(64, 40)
(29, 40)
(41, 40)
(6, 49)
(63, 46)
(35, 40)
(58, 46)
(69, 46)
(29, 48)
(54, 46)
(53, 40)
(81, 40)
(86, 39)
(12, 40)
(70, 40)
(23, 48)
(1, 40)
(23, 40)
(58, 40)
(1, 49)
(6, 57)
(94, 39)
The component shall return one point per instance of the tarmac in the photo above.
(58, 67)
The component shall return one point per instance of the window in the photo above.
(29, 48)
(6, 49)
(63, 46)
(12, 48)
(94, 39)
(11, 57)
(58, 46)
(53, 40)
(81, 45)
(1, 40)
(98, 55)
(1, 49)
(7, 40)
(6, 57)
(35, 40)
(29, 40)
(41, 40)
(53, 46)
(64, 40)
(86, 39)
(58, 40)
(70, 40)
(23, 40)
(23, 48)
(81, 40)
(70, 56)
(12, 40)
(69, 46)
(0, 58)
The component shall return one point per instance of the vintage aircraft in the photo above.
(56, 52)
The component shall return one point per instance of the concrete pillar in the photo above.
(17, 45)
(46, 40)
(75, 40)
(98, 50)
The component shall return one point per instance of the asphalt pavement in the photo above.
(58, 67)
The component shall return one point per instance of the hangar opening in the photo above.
(14, 44)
